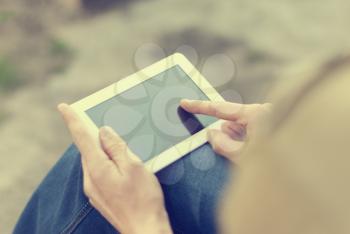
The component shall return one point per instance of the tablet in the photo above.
(144, 110)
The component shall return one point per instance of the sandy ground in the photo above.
(263, 38)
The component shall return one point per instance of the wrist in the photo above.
(155, 223)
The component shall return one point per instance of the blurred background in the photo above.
(54, 51)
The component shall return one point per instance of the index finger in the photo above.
(222, 110)
(82, 137)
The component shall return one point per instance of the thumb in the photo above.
(115, 147)
(224, 145)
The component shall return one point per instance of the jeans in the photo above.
(192, 187)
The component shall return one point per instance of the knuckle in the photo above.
(135, 166)
(116, 146)
(212, 109)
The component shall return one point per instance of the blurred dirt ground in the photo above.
(263, 38)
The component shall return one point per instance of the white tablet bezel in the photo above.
(182, 148)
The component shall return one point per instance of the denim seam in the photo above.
(78, 219)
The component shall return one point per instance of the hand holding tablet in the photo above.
(115, 180)
(145, 106)
(144, 110)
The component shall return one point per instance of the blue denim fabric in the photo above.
(192, 187)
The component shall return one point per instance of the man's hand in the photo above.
(239, 124)
(115, 180)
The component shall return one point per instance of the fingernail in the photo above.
(106, 132)
(182, 101)
(185, 101)
(61, 106)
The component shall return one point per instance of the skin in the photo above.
(240, 121)
(122, 189)
(115, 180)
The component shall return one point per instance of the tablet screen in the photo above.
(148, 116)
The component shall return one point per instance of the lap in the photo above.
(191, 186)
